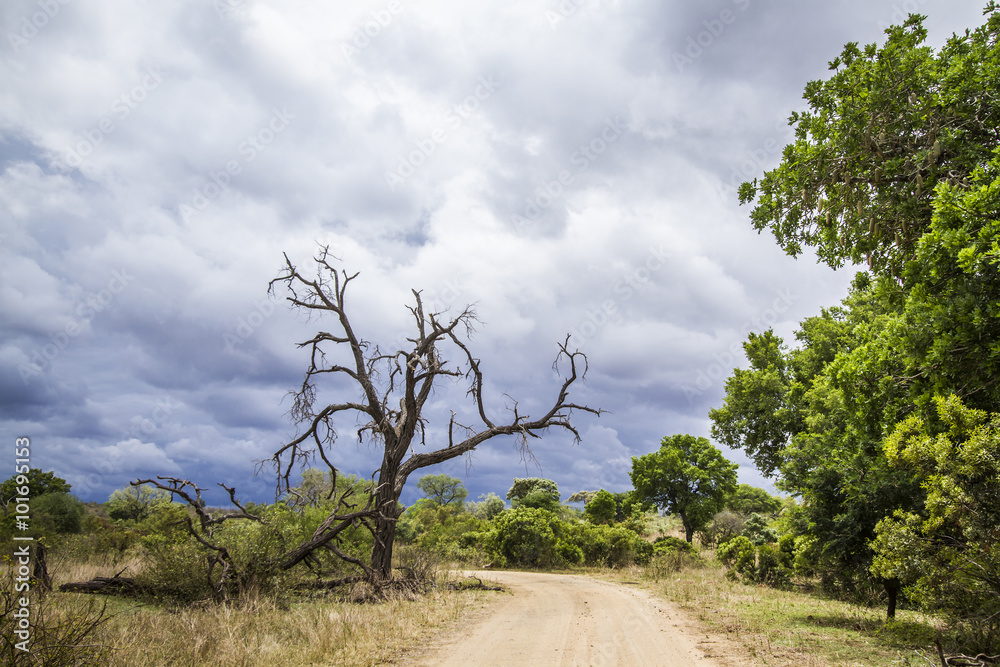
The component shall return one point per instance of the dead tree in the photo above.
(392, 389)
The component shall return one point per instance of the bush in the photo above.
(672, 544)
(601, 507)
(764, 563)
(612, 546)
(523, 537)
(175, 571)
(725, 526)
(757, 530)
(58, 513)
(569, 553)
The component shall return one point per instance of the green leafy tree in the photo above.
(442, 489)
(489, 506)
(135, 503)
(895, 163)
(688, 477)
(58, 512)
(34, 482)
(949, 554)
(524, 486)
(747, 500)
(601, 508)
(879, 135)
(846, 385)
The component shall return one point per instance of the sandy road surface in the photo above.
(562, 619)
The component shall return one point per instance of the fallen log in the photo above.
(103, 585)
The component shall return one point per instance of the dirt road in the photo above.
(562, 619)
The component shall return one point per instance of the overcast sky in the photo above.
(569, 167)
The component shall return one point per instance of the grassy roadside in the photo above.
(292, 631)
(790, 627)
(322, 632)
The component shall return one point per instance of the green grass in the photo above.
(794, 627)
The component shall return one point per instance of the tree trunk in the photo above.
(387, 502)
(688, 528)
(892, 593)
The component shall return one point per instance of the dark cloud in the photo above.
(570, 168)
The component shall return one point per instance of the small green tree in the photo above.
(524, 486)
(134, 503)
(601, 508)
(747, 500)
(35, 482)
(58, 512)
(949, 556)
(688, 477)
(443, 490)
(489, 506)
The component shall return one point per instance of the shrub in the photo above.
(672, 544)
(58, 512)
(569, 553)
(176, 571)
(725, 526)
(750, 563)
(757, 530)
(524, 537)
(601, 507)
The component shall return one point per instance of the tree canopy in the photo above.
(38, 483)
(687, 476)
(896, 164)
(890, 125)
(442, 489)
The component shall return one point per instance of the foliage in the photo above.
(881, 133)
(33, 483)
(724, 526)
(601, 507)
(757, 530)
(442, 489)
(687, 476)
(581, 497)
(842, 391)
(524, 537)
(489, 506)
(539, 499)
(525, 486)
(949, 555)
(175, 570)
(671, 543)
(756, 563)
(58, 513)
(134, 503)
(747, 500)
(610, 546)
(897, 163)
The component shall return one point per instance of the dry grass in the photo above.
(788, 627)
(260, 632)
(321, 629)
